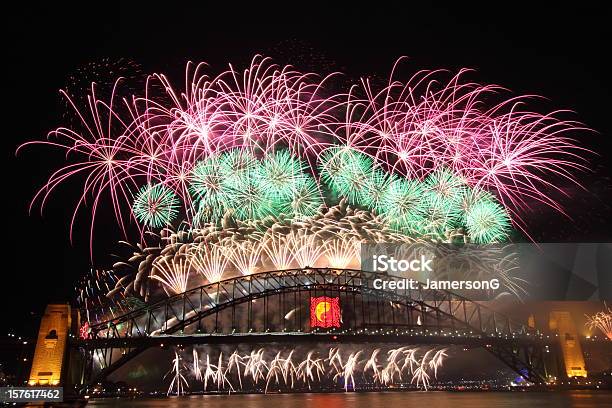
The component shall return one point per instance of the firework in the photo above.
(437, 360)
(91, 290)
(209, 260)
(210, 373)
(245, 255)
(469, 197)
(212, 195)
(278, 251)
(281, 368)
(253, 199)
(237, 165)
(372, 364)
(243, 241)
(420, 374)
(341, 251)
(348, 371)
(256, 365)
(443, 186)
(173, 275)
(403, 206)
(235, 362)
(377, 186)
(487, 222)
(155, 206)
(309, 368)
(304, 200)
(281, 172)
(602, 321)
(286, 369)
(259, 142)
(179, 382)
(347, 172)
(305, 248)
(196, 370)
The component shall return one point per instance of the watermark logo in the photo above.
(388, 263)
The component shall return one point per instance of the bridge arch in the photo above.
(415, 315)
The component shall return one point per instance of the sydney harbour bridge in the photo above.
(273, 308)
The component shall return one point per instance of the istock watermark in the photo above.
(414, 266)
(386, 263)
(525, 271)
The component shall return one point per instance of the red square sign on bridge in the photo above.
(324, 312)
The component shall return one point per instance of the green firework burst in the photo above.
(376, 188)
(469, 197)
(443, 192)
(236, 166)
(439, 216)
(402, 205)
(211, 193)
(487, 222)
(442, 185)
(253, 199)
(305, 199)
(280, 172)
(155, 205)
(346, 171)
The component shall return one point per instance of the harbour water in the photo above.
(432, 399)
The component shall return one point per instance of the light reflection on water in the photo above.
(569, 399)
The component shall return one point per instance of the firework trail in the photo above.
(305, 249)
(235, 362)
(284, 370)
(196, 370)
(341, 251)
(281, 368)
(256, 365)
(420, 374)
(601, 320)
(210, 372)
(276, 248)
(307, 369)
(437, 360)
(179, 382)
(210, 261)
(372, 364)
(174, 276)
(245, 255)
(348, 371)
(334, 359)
(91, 293)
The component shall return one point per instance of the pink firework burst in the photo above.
(410, 128)
(101, 155)
(427, 123)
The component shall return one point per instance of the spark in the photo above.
(341, 251)
(601, 320)
(209, 260)
(179, 382)
(173, 275)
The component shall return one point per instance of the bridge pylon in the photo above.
(55, 362)
(51, 346)
(569, 341)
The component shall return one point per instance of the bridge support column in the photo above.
(51, 346)
(571, 350)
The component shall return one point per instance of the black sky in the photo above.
(559, 52)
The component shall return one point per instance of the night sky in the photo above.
(560, 53)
